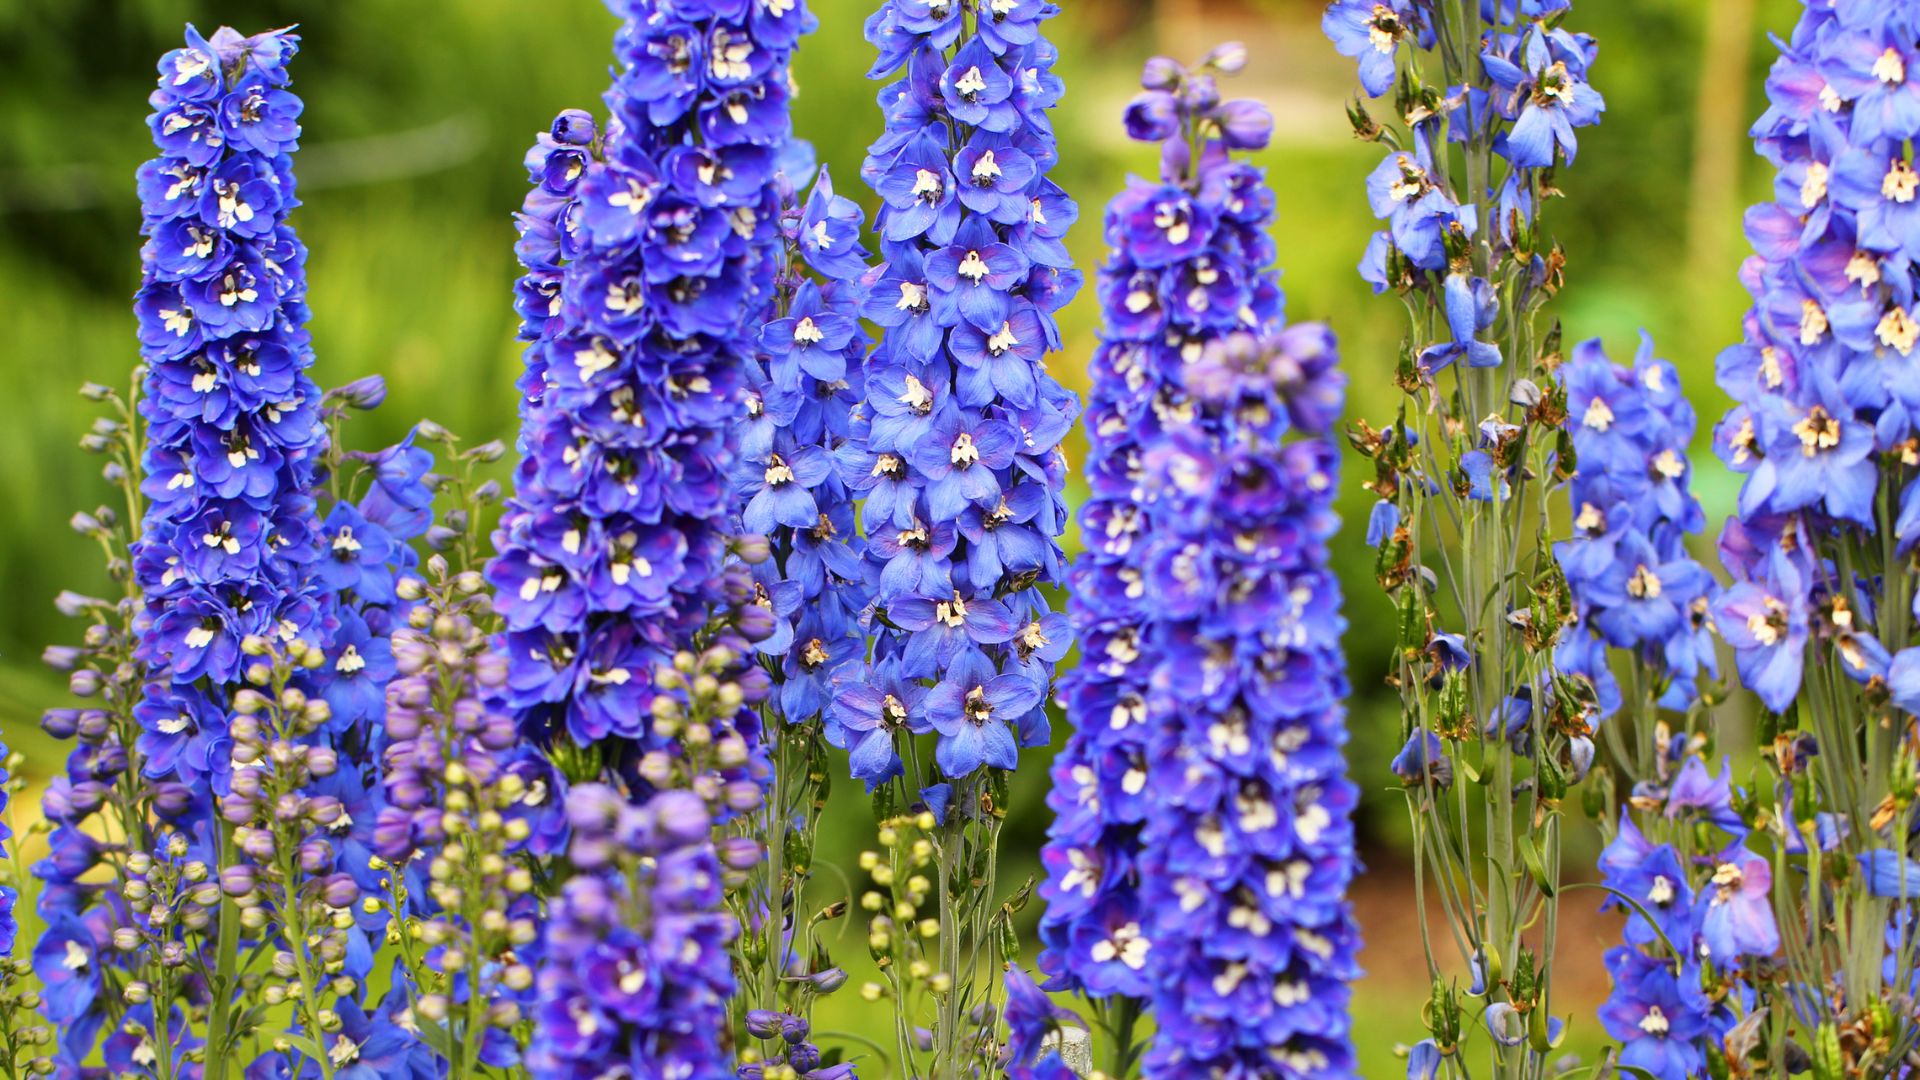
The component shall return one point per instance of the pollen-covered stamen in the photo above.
(814, 653)
(731, 56)
(233, 209)
(1669, 464)
(190, 64)
(597, 357)
(1863, 269)
(1384, 29)
(350, 661)
(979, 709)
(675, 52)
(986, 170)
(916, 538)
(889, 466)
(1901, 181)
(1727, 880)
(1172, 218)
(917, 397)
(1413, 182)
(1083, 874)
(626, 297)
(1644, 584)
(1591, 519)
(952, 612)
(634, 199)
(202, 636)
(1891, 67)
(240, 449)
(1655, 1022)
(1126, 944)
(623, 562)
(236, 287)
(1661, 892)
(221, 536)
(1599, 415)
(1555, 86)
(970, 84)
(928, 186)
(973, 267)
(1897, 330)
(893, 711)
(1744, 441)
(778, 471)
(913, 297)
(1818, 431)
(1002, 339)
(1813, 188)
(806, 333)
(1770, 370)
(1813, 322)
(1769, 626)
(964, 452)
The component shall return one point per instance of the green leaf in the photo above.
(1536, 866)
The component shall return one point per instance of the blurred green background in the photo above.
(417, 116)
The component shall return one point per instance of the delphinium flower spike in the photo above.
(231, 442)
(1198, 861)
(1821, 614)
(1643, 606)
(805, 386)
(1488, 97)
(956, 455)
(651, 246)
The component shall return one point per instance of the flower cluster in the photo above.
(636, 970)
(233, 419)
(805, 386)
(465, 799)
(1823, 428)
(1633, 582)
(790, 1054)
(1700, 916)
(648, 247)
(1202, 847)
(1822, 609)
(957, 454)
(1533, 96)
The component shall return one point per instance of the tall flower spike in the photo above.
(1202, 847)
(1823, 605)
(1488, 99)
(1634, 585)
(233, 438)
(958, 451)
(651, 247)
(1643, 603)
(804, 388)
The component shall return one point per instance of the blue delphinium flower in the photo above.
(636, 965)
(649, 247)
(230, 553)
(804, 391)
(956, 447)
(1823, 383)
(1201, 849)
(652, 247)
(1634, 585)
